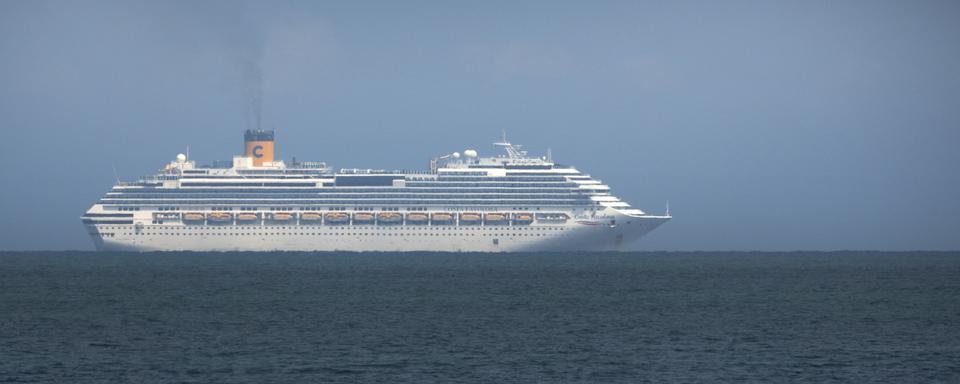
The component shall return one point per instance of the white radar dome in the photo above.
(456, 155)
(470, 153)
(181, 157)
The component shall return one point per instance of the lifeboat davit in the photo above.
(442, 218)
(417, 218)
(469, 219)
(389, 218)
(335, 218)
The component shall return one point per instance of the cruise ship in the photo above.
(510, 202)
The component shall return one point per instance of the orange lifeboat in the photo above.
(281, 216)
(246, 218)
(389, 218)
(193, 216)
(219, 217)
(441, 218)
(495, 219)
(469, 219)
(335, 218)
(522, 218)
(310, 216)
(417, 218)
(362, 218)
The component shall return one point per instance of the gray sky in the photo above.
(767, 125)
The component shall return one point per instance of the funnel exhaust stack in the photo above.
(258, 145)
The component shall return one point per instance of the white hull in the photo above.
(571, 236)
(511, 203)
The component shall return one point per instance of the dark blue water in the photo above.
(648, 317)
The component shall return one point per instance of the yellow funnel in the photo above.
(258, 145)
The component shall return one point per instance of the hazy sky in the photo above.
(767, 125)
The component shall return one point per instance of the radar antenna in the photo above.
(513, 150)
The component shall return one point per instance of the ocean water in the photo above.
(557, 318)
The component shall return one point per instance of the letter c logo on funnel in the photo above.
(256, 151)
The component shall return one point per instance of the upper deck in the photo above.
(468, 181)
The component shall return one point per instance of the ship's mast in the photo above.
(513, 150)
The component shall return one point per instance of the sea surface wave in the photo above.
(411, 317)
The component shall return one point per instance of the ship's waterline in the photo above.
(468, 203)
